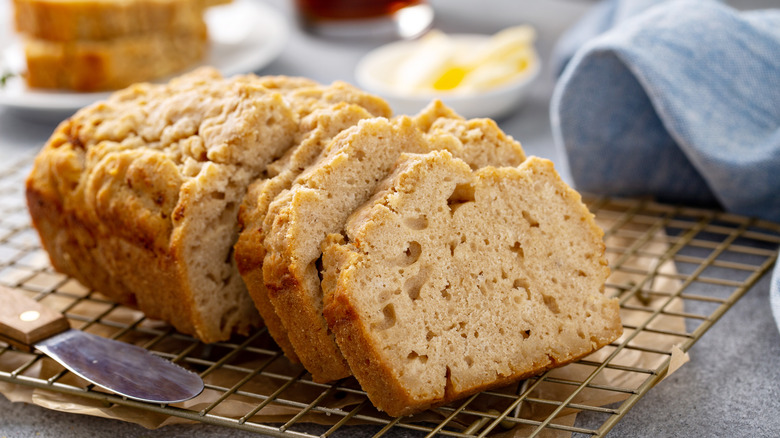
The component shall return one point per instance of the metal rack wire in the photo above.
(676, 271)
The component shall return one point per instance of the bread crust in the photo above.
(137, 197)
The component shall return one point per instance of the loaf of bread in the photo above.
(111, 64)
(425, 255)
(138, 196)
(95, 20)
(322, 197)
(450, 281)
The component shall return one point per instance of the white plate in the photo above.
(245, 36)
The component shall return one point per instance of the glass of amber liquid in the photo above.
(365, 18)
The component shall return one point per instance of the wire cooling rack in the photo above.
(676, 271)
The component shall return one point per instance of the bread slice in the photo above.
(451, 281)
(111, 64)
(319, 202)
(78, 20)
(318, 127)
(138, 196)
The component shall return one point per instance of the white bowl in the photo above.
(372, 74)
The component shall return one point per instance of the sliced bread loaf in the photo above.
(451, 281)
(321, 199)
(318, 127)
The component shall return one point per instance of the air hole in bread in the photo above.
(581, 273)
(218, 195)
(388, 313)
(551, 303)
(445, 293)
(533, 223)
(411, 254)
(462, 194)
(416, 223)
(518, 250)
(522, 283)
(359, 155)
(318, 267)
(526, 334)
(415, 356)
(453, 244)
(414, 284)
(469, 361)
(430, 335)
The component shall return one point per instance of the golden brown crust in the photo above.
(109, 263)
(138, 196)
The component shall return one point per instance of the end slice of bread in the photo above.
(450, 281)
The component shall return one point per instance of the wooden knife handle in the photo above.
(24, 321)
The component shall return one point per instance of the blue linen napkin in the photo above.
(677, 99)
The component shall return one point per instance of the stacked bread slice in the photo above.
(89, 45)
(425, 255)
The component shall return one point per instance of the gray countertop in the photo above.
(731, 385)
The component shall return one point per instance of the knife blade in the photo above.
(123, 368)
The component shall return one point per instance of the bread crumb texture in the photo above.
(450, 281)
(347, 173)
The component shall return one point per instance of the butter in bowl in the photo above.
(476, 75)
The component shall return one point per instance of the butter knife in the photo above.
(123, 368)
